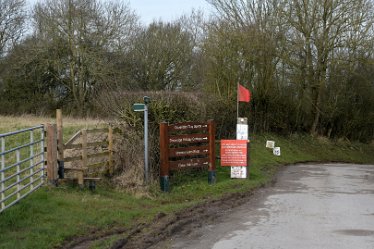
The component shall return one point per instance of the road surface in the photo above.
(311, 206)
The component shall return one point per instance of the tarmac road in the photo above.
(310, 206)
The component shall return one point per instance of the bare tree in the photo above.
(162, 57)
(242, 46)
(82, 36)
(317, 29)
(12, 20)
(296, 43)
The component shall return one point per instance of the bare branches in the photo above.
(12, 21)
(81, 34)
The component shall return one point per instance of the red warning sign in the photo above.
(234, 153)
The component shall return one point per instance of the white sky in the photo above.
(167, 10)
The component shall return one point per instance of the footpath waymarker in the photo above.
(140, 107)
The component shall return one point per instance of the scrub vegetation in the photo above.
(53, 216)
(308, 64)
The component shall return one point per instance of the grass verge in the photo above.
(51, 216)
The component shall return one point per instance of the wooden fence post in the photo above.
(164, 157)
(110, 148)
(60, 144)
(84, 157)
(52, 154)
(212, 152)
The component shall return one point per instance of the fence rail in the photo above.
(86, 150)
(29, 157)
(22, 164)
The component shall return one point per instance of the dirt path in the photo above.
(163, 226)
(203, 225)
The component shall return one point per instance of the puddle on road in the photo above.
(355, 232)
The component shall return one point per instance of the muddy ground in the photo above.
(163, 226)
(187, 223)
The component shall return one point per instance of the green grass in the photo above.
(51, 215)
(11, 124)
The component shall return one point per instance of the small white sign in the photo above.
(270, 144)
(241, 132)
(277, 151)
(239, 172)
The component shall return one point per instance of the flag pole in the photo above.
(237, 101)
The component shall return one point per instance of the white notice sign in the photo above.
(239, 172)
(241, 132)
(277, 151)
(270, 144)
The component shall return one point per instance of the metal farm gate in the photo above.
(22, 164)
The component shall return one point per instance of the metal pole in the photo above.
(2, 173)
(146, 143)
(237, 101)
(42, 138)
(32, 161)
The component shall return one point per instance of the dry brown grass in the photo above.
(128, 147)
(11, 123)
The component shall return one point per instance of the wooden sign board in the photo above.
(188, 126)
(189, 139)
(234, 153)
(186, 145)
(189, 163)
(189, 151)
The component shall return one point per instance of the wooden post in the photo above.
(84, 157)
(242, 135)
(60, 144)
(212, 152)
(110, 148)
(51, 154)
(164, 157)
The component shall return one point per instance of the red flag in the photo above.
(244, 95)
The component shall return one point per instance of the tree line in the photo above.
(309, 64)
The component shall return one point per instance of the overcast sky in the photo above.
(167, 10)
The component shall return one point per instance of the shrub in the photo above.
(171, 107)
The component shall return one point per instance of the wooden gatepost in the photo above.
(186, 145)
(90, 154)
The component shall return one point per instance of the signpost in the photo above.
(235, 153)
(240, 171)
(186, 145)
(139, 107)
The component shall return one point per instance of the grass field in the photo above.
(52, 215)
(71, 125)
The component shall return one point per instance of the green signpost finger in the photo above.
(138, 107)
